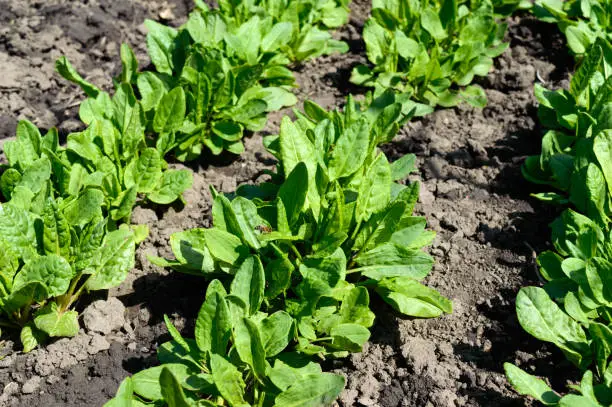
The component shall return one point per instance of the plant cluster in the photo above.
(582, 21)
(224, 70)
(572, 310)
(301, 26)
(431, 50)
(64, 217)
(294, 261)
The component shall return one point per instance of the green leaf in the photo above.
(171, 186)
(574, 400)
(64, 68)
(275, 97)
(51, 320)
(431, 23)
(124, 396)
(247, 220)
(170, 112)
(189, 248)
(51, 270)
(129, 64)
(355, 308)
(36, 175)
(9, 264)
(350, 151)
(8, 181)
(276, 333)
(24, 295)
(89, 244)
(249, 345)
(577, 40)
(579, 82)
(278, 276)
(26, 146)
(529, 385)
(542, 318)
(17, 229)
(602, 344)
(171, 390)
(228, 380)
(474, 95)
(412, 298)
(144, 172)
(151, 89)
(147, 382)
(321, 275)
(116, 259)
(86, 207)
(401, 168)
(376, 39)
(160, 44)
(312, 391)
(602, 147)
(295, 147)
(212, 331)
(56, 236)
(227, 130)
(350, 337)
(293, 192)
(279, 35)
(249, 283)
(175, 334)
(391, 260)
(291, 367)
(374, 192)
(121, 207)
(30, 337)
(380, 227)
(224, 246)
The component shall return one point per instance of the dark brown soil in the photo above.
(473, 195)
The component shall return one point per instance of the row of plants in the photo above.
(64, 216)
(292, 261)
(65, 212)
(581, 21)
(431, 51)
(222, 72)
(572, 309)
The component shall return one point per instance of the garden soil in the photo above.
(473, 195)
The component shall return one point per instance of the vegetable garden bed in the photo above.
(472, 194)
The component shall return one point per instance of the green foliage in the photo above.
(64, 220)
(199, 96)
(572, 115)
(293, 29)
(297, 259)
(582, 21)
(219, 74)
(572, 310)
(50, 253)
(238, 358)
(432, 50)
(209, 87)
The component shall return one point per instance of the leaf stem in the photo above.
(327, 338)
(295, 251)
(65, 300)
(355, 270)
(76, 296)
